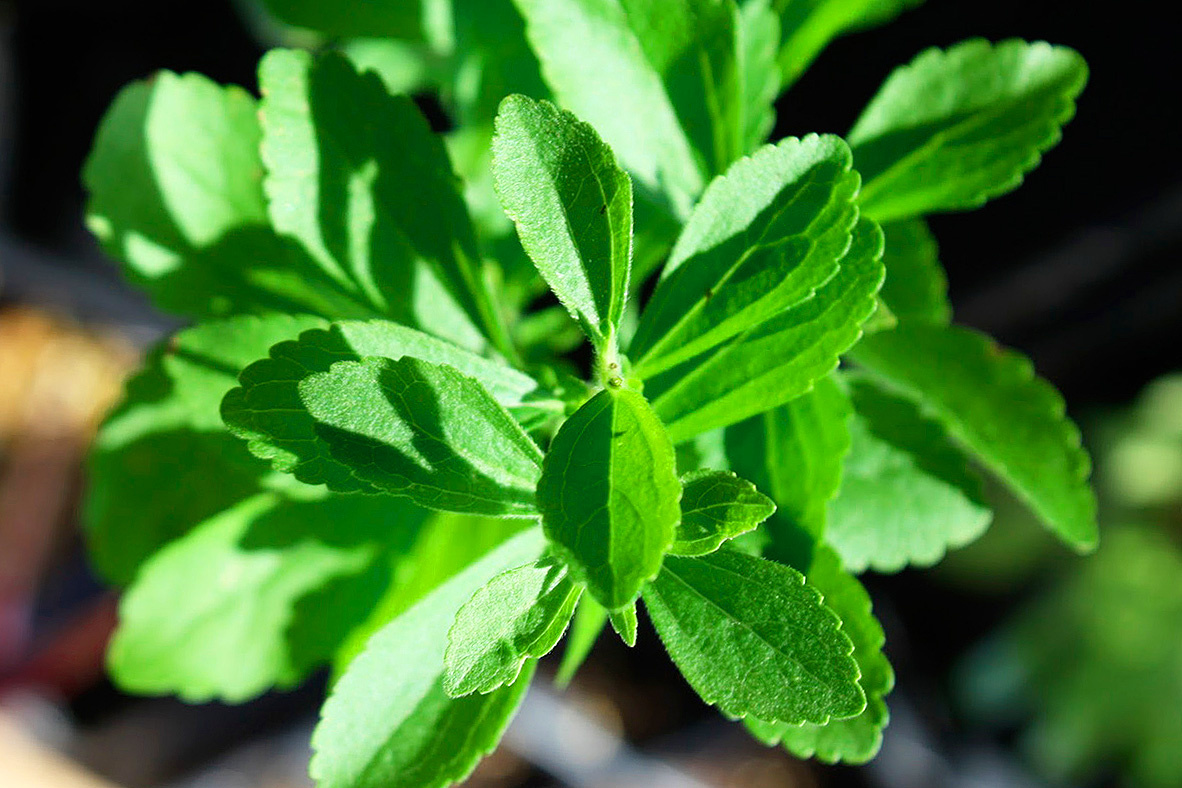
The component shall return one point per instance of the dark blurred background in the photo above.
(1077, 269)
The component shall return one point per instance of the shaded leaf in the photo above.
(990, 400)
(590, 618)
(389, 723)
(266, 410)
(916, 288)
(256, 596)
(162, 461)
(907, 495)
(426, 431)
(350, 19)
(795, 452)
(609, 495)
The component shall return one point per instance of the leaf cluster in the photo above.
(373, 450)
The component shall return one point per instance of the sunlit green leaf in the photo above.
(717, 506)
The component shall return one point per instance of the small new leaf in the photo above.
(752, 638)
(624, 623)
(426, 431)
(609, 495)
(958, 127)
(573, 208)
(991, 401)
(589, 621)
(517, 615)
(763, 237)
(717, 506)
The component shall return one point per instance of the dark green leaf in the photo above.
(778, 360)
(752, 638)
(990, 400)
(609, 495)
(907, 495)
(573, 209)
(163, 461)
(717, 506)
(426, 431)
(764, 237)
(517, 615)
(958, 127)
(389, 722)
(915, 288)
(258, 595)
(795, 452)
(267, 410)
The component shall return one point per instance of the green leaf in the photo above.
(573, 208)
(657, 79)
(389, 722)
(758, 40)
(778, 360)
(795, 452)
(990, 400)
(609, 495)
(958, 127)
(518, 615)
(426, 431)
(257, 595)
(764, 237)
(176, 194)
(162, 461)
(492, 59)
(447, 544)
(590, 618)
(916, 288)
(360, 180)
(624, 623)
(752, 638)
(857, 739)
(267, 410)
(355, 18)
(807, 26)
(908, 495)
(717, 506)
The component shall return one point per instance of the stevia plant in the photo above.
(378, 449)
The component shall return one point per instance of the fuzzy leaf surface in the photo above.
(266, 409)
(908, 495)
(258, 595)
(389, 723)
(957, 127)
(764, 237)
(916, 288)
(779, 359)
(162, 461)
(795, 452)
(717, 506)
(752, 638)
(572, 205)
(518, 615)
(609, 495)
(857, 739)
(990, 400)
(426, 431)
(360, 180)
